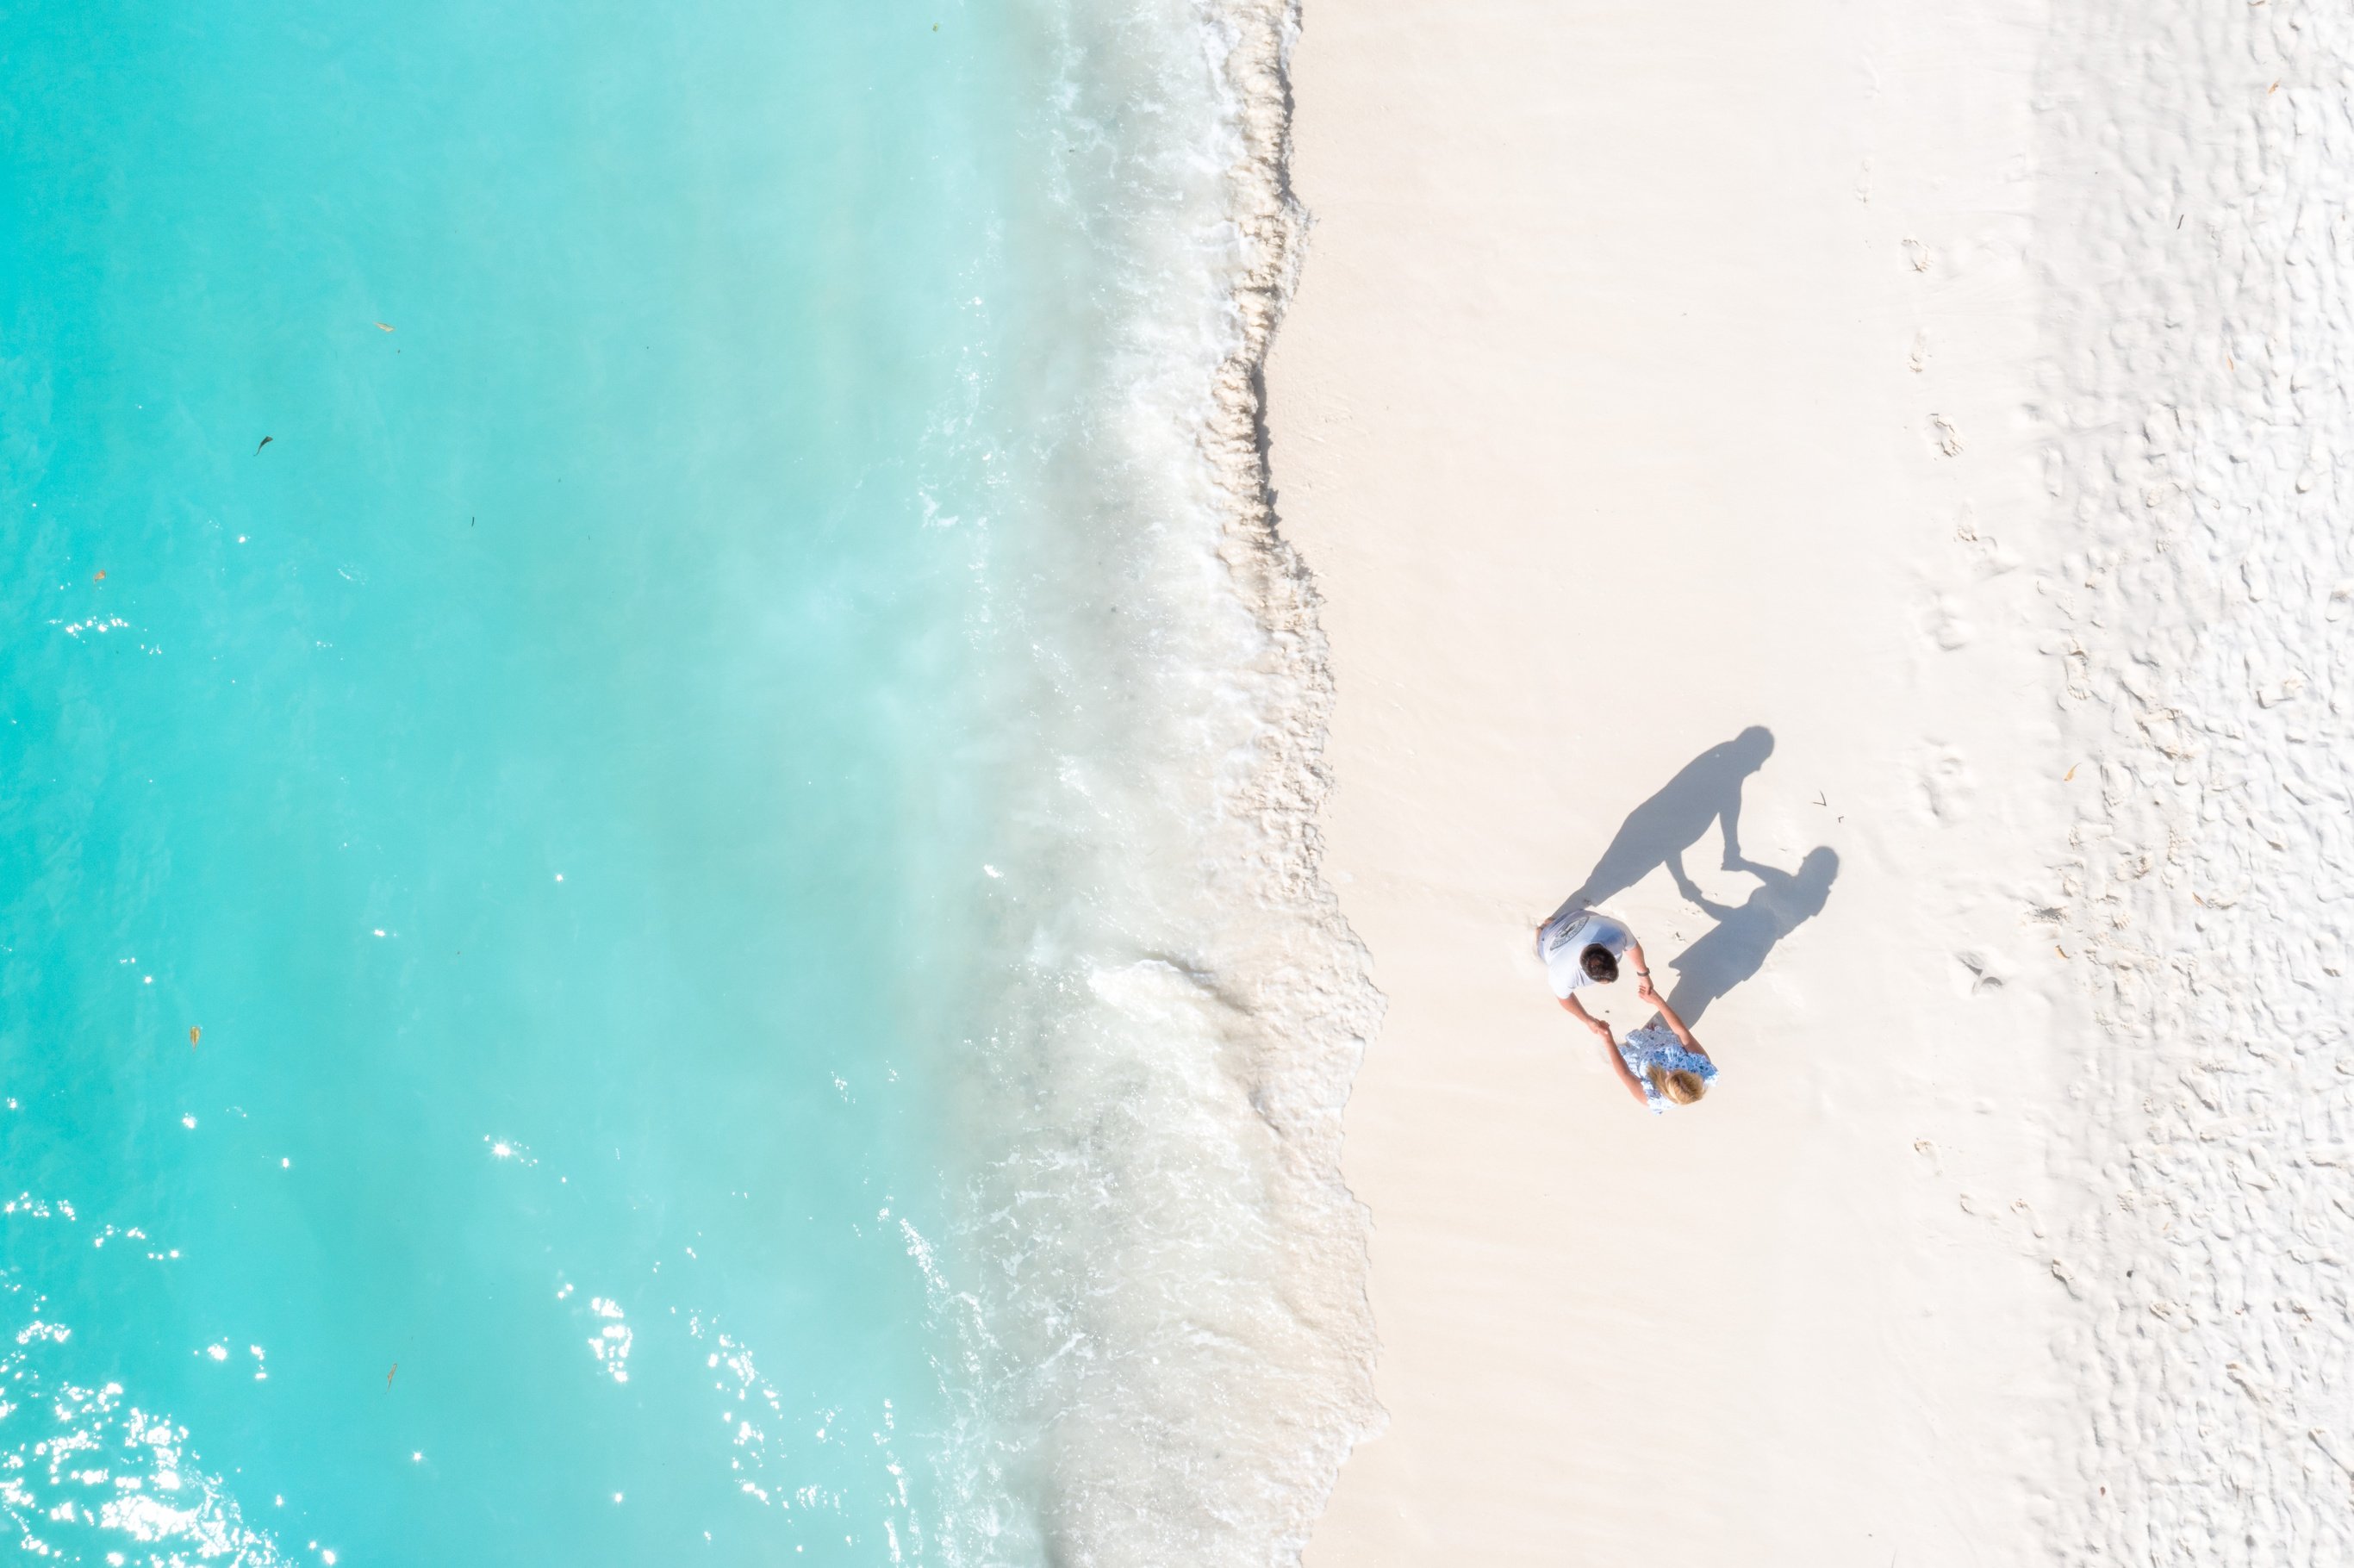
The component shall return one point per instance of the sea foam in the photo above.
(1156, 1287)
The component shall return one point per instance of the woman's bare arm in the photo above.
(1644, 990)
(1626, 1074)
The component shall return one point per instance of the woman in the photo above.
(1660, 1063)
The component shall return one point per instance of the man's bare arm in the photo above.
(1577, 1010)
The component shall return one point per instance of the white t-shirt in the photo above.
(1565, 940)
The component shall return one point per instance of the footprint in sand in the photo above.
(1948, 627)
(1947, 785)
(1983, 974)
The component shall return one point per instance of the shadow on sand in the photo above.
(1745, 933)
(1705, 793)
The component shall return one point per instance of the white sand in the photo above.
(2199, 172)
(1659, 371)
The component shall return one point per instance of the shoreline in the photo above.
(1315, 1006)
(1166, 1346)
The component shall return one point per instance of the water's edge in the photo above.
(1318, 1032)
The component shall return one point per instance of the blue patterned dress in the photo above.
(1656, 1046)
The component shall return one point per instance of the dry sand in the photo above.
(1958, 392)
(2197, 174)
(1657, 371)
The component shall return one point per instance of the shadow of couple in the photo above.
(1706, 792)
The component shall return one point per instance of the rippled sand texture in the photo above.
(2198, 165)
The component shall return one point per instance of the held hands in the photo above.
(1602, 1031)
(1643, 987)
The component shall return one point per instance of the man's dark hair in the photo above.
(1599, 964)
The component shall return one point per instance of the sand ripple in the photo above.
(2201, 169)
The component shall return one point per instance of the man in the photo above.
(1582, 947)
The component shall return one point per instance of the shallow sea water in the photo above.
(612, 949)
(524, 770)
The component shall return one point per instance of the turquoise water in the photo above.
(632, 901)
(537, 746)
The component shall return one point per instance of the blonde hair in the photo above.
(1681, 1084)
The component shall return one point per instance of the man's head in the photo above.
(1681, 1084)
(1600, 965)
